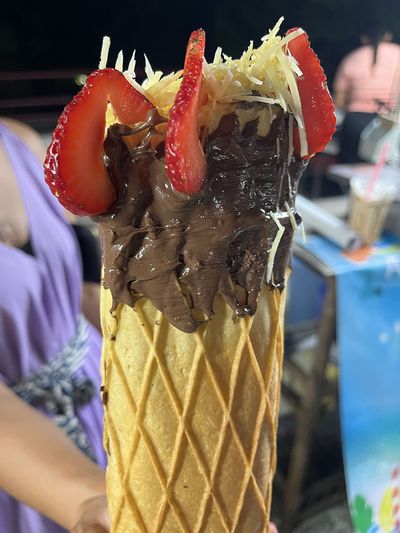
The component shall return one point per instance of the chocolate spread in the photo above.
(180, 251)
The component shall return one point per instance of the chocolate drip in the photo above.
(180, 251)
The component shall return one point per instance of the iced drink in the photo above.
(369, 208)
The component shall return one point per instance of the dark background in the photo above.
(65, 38)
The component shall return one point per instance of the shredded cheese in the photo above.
(266, 117)
(289, 181)
(105, 47)
(138, 87)
(274, 247)
(132, 65)
(162, 93)
(266, 74)
(119, 64)
(111, 117)
(218, 55)
(272, 33)
(290, 140)
(247, 115)
(148, 68)
(262, 99)
(152, 77)
(291, 217)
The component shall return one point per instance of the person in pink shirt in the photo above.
(367, 82)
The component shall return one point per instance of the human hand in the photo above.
(272, 528)
(93, 516)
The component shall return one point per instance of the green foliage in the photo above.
(361, 514)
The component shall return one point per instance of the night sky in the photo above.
(47, 35)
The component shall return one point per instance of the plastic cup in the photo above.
(369, 208)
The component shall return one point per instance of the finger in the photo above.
(272, 528)
(104, 520)
(79, 528)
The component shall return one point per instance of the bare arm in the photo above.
(342, 85)
(29, 135)
(91, 303)
(340, 99)
(41, 467)
(90, 291)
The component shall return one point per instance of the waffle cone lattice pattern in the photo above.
(190, 419)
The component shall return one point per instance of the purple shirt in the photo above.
(40, 299)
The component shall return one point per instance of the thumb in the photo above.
(88, 529)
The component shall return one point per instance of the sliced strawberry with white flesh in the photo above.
(185, 159)
(74, 165)
(316, 102)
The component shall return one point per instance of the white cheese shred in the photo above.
(262, 99)
(274, 31)
(290, 143)
(138, 87)
(148, 68)
(152, 77)
(105, 47)
(274, 247)
(132, 65)
(291, 217)
(266, 74)
(119, 64)
(218, 55)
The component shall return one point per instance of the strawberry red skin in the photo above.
(74, 165)
(185, 159)
(317, 105)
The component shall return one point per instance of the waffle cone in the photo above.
(191, 419)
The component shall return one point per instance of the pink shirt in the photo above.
(366, 85)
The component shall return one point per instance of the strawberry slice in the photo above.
(185, 159)
(74, 165)
(316, 102)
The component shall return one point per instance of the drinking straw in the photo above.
(332, 228)
(378, 168)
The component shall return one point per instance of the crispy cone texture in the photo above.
(191, 419)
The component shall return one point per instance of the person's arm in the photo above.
(41, 467)
(341, 99)
(91, 262)
(341, 87)
(91, 288)
(30, 136)
(91, 303)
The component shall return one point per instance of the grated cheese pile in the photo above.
(274, 248)
(266, 74)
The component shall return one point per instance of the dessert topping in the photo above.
(184, 155)
(317, 106)
(74, 167)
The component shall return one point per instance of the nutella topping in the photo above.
(180, 251)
